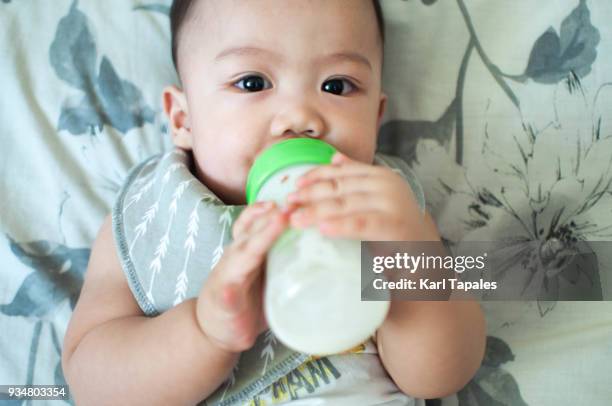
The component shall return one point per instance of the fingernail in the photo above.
(338, 157)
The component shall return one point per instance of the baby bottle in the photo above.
(312, 297)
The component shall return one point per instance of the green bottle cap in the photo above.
(294, 151)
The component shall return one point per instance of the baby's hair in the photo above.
(180, 10)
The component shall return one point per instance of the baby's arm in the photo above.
(113, 354)
(430, 348)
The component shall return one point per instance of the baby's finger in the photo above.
(250, 250)
(230, 293)
(367, 226)
(248, 215)
(233, 296)
(262, 324)
(340, 158)
(230, 297)
(341, 206)
(265, 233)
(336, 187)
(340, 169)
(259, 222)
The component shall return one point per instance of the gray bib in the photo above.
(170, 231)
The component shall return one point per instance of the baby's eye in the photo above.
(253, 83)
(338, 86)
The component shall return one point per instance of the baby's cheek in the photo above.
(361, 153)
(358, 144)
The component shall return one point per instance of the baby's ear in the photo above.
(175, 106)
(382, 106)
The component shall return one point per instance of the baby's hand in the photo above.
(351, 199)
(229, 308)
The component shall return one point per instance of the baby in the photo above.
(254, 73)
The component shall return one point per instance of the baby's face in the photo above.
(256, 72)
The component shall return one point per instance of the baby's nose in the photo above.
(298, 120)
